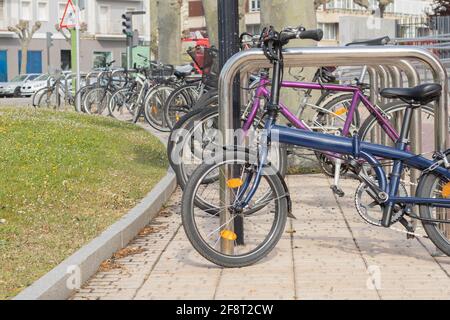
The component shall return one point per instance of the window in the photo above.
(61, 9)
(255, 5)
(32, 77)
(42, 11)
(138, 20)
(26, 13)
(196, 9)
(104, 19)
(2, 9)
(101, 59)
(66, 60)
(254, 28)
(330, 30)
(351, 5)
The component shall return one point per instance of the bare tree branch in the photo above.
(22, 29)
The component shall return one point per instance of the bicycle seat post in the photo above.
(395, 177)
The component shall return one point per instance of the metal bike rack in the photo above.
(321, 56)
(66, 87)
(92, 74)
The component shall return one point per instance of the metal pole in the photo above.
(129, 53)
(228, 15)
(77, 45)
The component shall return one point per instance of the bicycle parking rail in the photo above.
(90, 75)
(248, 60)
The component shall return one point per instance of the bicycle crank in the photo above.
(369, 207)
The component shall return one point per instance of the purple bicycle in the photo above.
(339, 115)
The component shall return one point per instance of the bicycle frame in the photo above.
(369, 152)
(303, 136)
(358, 97)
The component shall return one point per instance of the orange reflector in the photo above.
(228, 235)
(446, 190)
(177, 117)
(234, 183)
(340, 111)
(154, 110)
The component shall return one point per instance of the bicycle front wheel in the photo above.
(122, 104)
(210, 233)
(96, 101)
(180, 102)
(154, 107)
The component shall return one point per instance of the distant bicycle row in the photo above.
(160, 93)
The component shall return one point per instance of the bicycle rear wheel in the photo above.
(154, 107)
(96, 101)
(122, 104)
(49, 99)
(432, 185)
(180, 102)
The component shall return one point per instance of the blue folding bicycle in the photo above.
(261, 200)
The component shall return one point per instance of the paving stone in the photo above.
(329, 253)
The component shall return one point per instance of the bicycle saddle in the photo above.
(373, 42)
(416, 96)
(183, 70)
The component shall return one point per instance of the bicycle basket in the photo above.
(204, 58)
(162, 71)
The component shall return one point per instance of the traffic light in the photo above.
(127, 24)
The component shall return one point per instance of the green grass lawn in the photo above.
(64, 178)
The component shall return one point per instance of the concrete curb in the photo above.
(62, 281)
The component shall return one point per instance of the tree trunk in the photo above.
(242, 11)
(283, 13)
(211, 16)
(169, 31)
(153, 29)
(23, 64)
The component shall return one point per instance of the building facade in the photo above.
(329, 16)
(103, 40)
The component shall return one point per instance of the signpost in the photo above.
(49, 45)
(71, 20)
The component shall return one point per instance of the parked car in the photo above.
(30, 87)
(12, 88)
(2, 85)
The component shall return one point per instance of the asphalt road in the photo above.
(15, 102)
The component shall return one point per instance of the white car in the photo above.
(12, 88)
(30, 87)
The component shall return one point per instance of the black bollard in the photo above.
(228, 12)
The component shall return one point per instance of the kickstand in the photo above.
(337, 175)
(409, 227)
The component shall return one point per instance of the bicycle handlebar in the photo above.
(300, 33)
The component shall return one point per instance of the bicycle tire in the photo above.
(270, 241)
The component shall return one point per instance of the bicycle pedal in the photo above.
(338, 191)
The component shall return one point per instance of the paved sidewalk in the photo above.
(327, 253)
